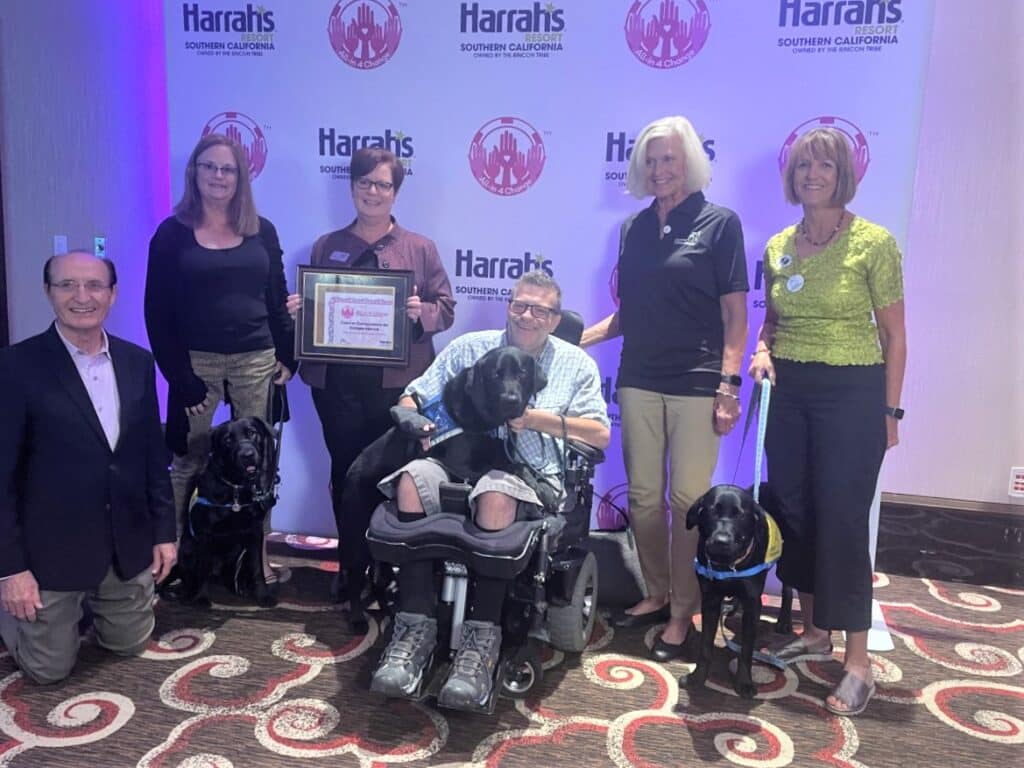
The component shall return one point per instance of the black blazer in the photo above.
(69, 506)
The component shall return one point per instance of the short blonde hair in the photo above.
(822, 144)
(242, 214)
(698, 166)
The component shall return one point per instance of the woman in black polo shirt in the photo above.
(682, 283)
(215, 306)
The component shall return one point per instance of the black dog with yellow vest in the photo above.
(739, 542)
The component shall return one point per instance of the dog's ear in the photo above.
(217, 435)
(538, 378)
(267, 453)
(694, 513)
(461, 396)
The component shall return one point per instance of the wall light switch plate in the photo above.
(99, 247)
(60, 244)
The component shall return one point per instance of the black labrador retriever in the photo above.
(738, 543)
(477, 400)
(224, 525)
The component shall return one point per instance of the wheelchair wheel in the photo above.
(570, 626)
(522, 672)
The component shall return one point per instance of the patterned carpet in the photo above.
(240, 686)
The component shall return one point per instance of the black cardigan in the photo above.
(165, 326)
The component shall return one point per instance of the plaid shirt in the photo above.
(573, 389)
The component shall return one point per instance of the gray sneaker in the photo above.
(472, 676)
(401, 665)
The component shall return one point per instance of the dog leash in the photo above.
(763, 398)
(762, 429)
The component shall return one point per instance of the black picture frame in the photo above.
(354, 316)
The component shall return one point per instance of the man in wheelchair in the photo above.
(571, 407)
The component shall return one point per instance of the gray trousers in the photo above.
(46, 649)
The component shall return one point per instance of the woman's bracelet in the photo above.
(723, 393)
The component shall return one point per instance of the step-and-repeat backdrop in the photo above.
(516, 120)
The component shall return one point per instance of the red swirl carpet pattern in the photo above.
(240, 686)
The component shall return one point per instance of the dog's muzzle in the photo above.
(247, 458)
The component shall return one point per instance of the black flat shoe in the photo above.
(623, 620)
(686, 650)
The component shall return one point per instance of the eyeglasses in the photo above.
(213, 168)
(72, 286)
(539, 311)
(365, 183)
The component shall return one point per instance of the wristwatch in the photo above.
(894, 411)
(732, 378)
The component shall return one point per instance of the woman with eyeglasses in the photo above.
(354, 401)
(682, 285)
(215, 307)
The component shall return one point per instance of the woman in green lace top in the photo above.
(834, 345)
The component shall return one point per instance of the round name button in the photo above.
(795, 283)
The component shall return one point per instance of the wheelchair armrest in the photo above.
(587, 452)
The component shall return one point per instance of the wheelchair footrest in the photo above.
(492, 554)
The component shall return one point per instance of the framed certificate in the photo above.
(353, 315)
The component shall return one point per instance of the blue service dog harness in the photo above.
(774, 549)
(263, 499)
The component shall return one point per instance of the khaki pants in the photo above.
(46, 649)
(660, 430)
(249, 376)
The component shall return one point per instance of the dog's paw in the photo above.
(266, 595)
(694, 679)
(745, 690)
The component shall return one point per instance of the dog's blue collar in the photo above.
(709, 573)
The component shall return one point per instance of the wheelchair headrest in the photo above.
(570, 327)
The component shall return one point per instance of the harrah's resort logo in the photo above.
(854, 136)
(336, 147)
(511, 33)
(667, 33)
(475, 273)
(506, 156)
(245, 131)
(247, 31)
(364, 33)
(850, 26)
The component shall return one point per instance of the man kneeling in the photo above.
(572, 405)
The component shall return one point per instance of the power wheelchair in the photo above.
(553, 580)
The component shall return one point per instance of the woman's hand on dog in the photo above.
(164, 557)
(19, 595)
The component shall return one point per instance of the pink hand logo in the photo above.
(356, 35)
(666, 40)
(511, 164)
